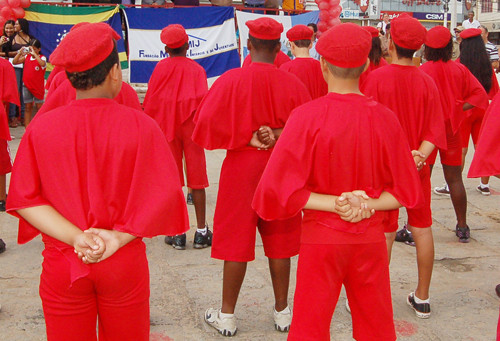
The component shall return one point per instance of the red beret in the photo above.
(174, 36)
(470, 32)
(116, 36)
(99, 43)
(407, 32)
(438, 37)
(299, 32)
(265, 28)
(372, 30)
(345, 45)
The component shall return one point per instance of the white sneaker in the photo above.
(225, 326)
(282, 319)
(444, 190)
(347, 307)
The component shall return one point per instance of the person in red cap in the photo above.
(175, 89)
(116, 182)
(459, 91)
(415, 99)
(334, 152)
(241, 103)
(375, 55)
(306, 68)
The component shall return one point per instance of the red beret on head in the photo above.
(470, 32)
(265, 28)
(174, 36)
(438, 37)
(345, 45)
(299, 32)
(99, 44)
(372, 30)
(407, 32)
(116, 36)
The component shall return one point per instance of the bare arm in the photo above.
(19, 58)
(467, 106)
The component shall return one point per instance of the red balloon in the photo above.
(14, 3)
(25, 3)
(18, 12)
(324, 6)
(334, 22)
(6, 12)
(322, 26)
(334, 3)
(335, 12)
(324, 16)
(3, 3)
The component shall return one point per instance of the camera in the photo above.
(26, 49)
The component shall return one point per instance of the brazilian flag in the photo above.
(50, 24)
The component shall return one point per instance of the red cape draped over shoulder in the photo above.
(414, 98)
(65, 93)
(486, 160)
(56, 82)
(335, 144)
(456, 85)
(8, 94)
(281, 58)
(114, 171)
(308, 70)
(56, 71)
(175, 90)
(371, 68)
(242, 100)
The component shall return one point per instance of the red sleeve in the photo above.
(281, 58)
(54, 72)
(61, 96)
(434, 127)
(127, 96)
(8, 94)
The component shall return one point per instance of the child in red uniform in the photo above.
(175, 89)
(341, 142)
(375, 55)
(116, 180)
(33, 77)
(306, 68)
(229, 117)
(414, 98)
(459, 91)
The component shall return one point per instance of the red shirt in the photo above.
(57, 69)
(242, 100)
(281, 58)
(175, 90)
(8, 94)
(56, 81)
(335, 144)
(414, 98)
(308, 70)
(371, 68)
(34, 76)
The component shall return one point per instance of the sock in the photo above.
(484, 185)
(225, 316)
(419, 301)
(203, 231)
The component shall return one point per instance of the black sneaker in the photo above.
(2, 246)
(497, 290)
(404, 236)
(177, 242)
(189, 199)
(422, 310)
(202, 241)
(2, 205)
(463, 234)
(483, 190)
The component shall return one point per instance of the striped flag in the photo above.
(50, 24)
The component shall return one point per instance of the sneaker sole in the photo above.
(201, 246)
(177, 247)
(280, 329)
(223, 332)
(418, 313)
(483, 193)
(443, 194)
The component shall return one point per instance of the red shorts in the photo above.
(417, 217)
(471, 127)
(196, 165)
(364, 271)
(235, 221)
(119, 303)
(452, 156)
(5, 160)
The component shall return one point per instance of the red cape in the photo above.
(242, 100)
(337, 143)
(65, 93)
(456, 85)
(281, 58)
(8, 94)
(371, 68)
(175, 90)
(414, 98)
(308, 70)
(486, 160)
(114, 170)
(53, 73)
(56, 82)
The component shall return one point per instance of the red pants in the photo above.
(452, 156)
(115, 294)
(471, 127)
(364, 271)
(5, 160)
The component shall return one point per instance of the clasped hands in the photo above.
(353, 206)
(263, 138)
(95, 245)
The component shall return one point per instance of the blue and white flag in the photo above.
(211, 31)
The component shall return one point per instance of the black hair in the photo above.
(346, 73)
(403, 52)
(376, 52)
(36, 43)
(474, 56)
(12, 22)
(88, 79)
(264, 44)
(314, 26)
(177, 51)
(302, 43)
(442, 54)
(25, 26)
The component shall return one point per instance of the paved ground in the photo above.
(185, 283)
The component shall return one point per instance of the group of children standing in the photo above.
(316, 164)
